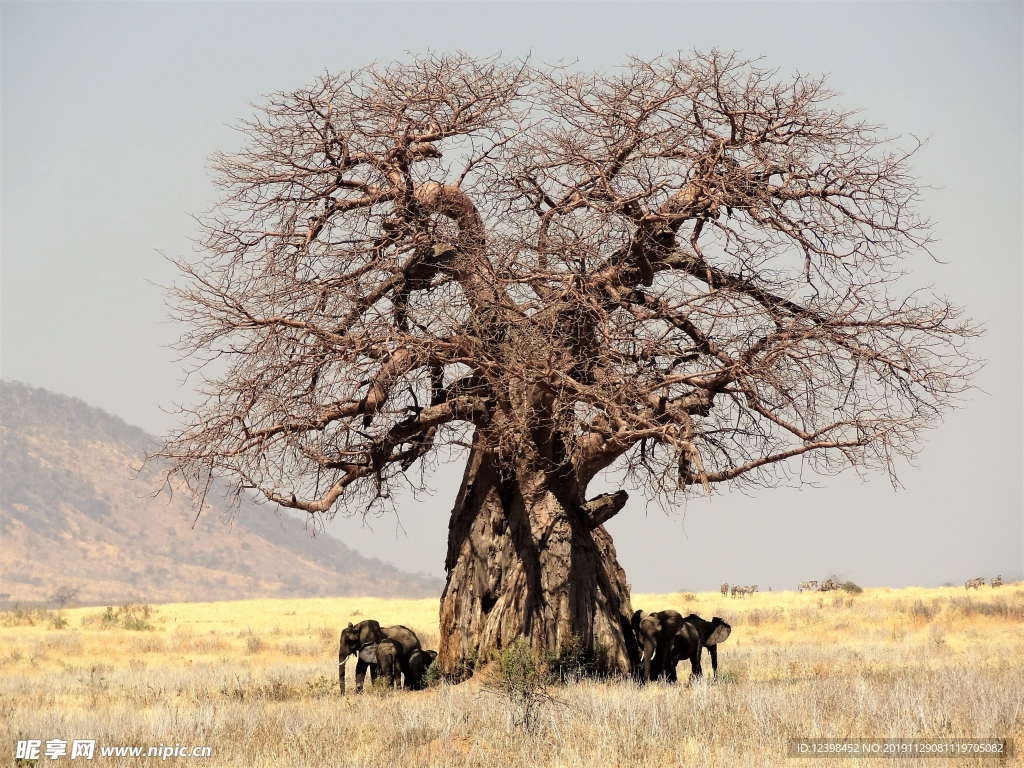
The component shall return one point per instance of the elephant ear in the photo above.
(368, 653)
(719, 634)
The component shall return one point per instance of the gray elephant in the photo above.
(693, 636)
(388, 662)
(362, 639)
(419, 661)
(655, 633)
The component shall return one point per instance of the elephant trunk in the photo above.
(342, 658)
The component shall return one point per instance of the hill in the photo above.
(76, 510)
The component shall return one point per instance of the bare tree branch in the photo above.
(687, 270)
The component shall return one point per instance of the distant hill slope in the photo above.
(74, 512)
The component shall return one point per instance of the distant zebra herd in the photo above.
(738, 590)
(978, 583)
(828, 585)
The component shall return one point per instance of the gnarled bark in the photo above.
(525, 560)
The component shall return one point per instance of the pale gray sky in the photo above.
(110, 112)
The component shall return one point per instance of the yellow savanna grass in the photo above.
(256, 681)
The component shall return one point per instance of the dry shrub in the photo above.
(273, 689)
(64, 644)
(761, 616)
(25, 616)
(1010, 608)
(254, 644)
(209, 644)
(152, 644)
(321, 687)
(921, 611)
(524, 683)
(125, 616)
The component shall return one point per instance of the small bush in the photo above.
(125, 616)
(274, 689)
(433, 677)
(465, 668)
(575, 660)
(58, 622)
(523, 681)
(321, 687)
(22, 616)
(254, 644)
(921, 611)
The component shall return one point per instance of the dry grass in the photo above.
(255, 680)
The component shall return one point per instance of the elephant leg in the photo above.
(361, 675)
(661, 657)
(670, 670)
(695, 670)
(713, 651)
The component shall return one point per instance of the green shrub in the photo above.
(851, 588)
(321, 687)
(22, 616)
(519, 677)
(125, 616)
(575, 660)
(465, 667)
(433, 677)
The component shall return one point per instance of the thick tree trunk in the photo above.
(525, 560)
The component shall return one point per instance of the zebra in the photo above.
(997, 581)
(977, 583)
(737, 590)
(725, 590)
(808, 586)
(829, 585)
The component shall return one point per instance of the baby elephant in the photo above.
(693, 635)
(418, 663)
(388, 661)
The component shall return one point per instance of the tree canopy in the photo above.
(689, 268)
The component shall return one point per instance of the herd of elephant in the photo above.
(664, 639)
(391, 653)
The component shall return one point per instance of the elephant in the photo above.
(388, 664)
(655, 634)
(362, 638)
(419, 661)
(694, 635)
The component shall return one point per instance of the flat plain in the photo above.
(256, 681)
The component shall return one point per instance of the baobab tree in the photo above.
(688, 270)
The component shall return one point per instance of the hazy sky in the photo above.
(110, 112)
